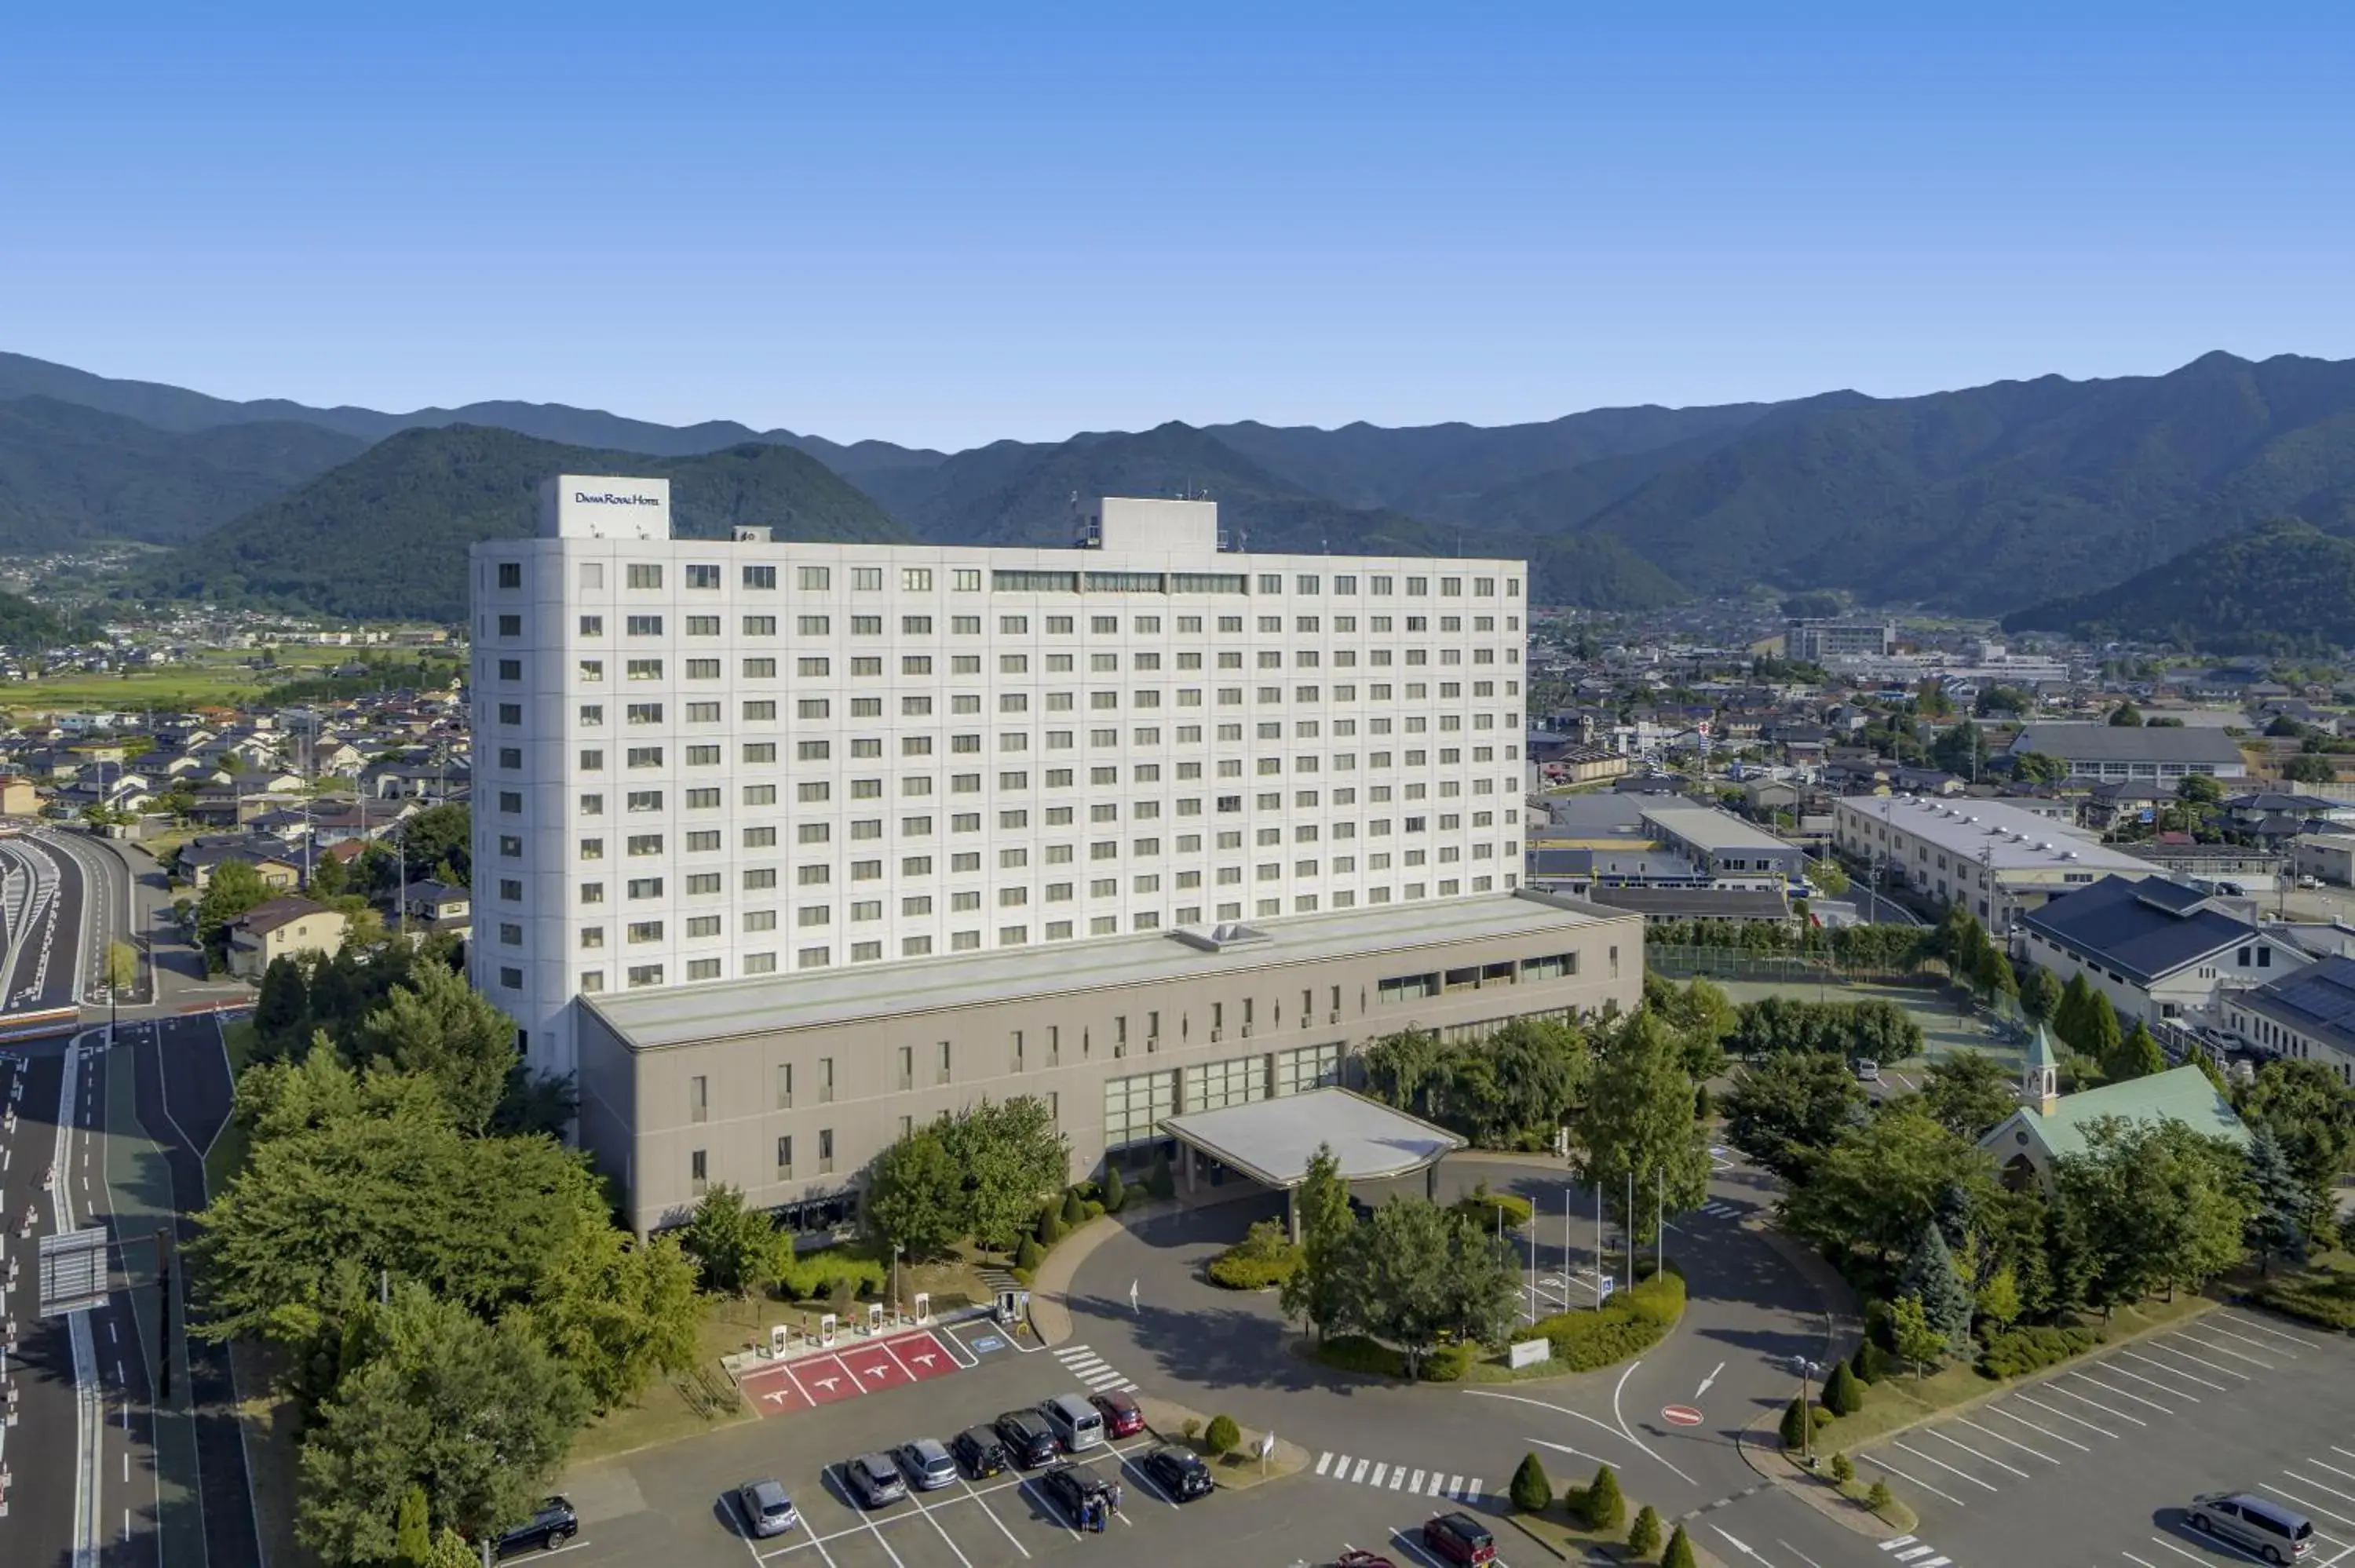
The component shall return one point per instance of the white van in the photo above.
(1077, 1425)
(2258, 1525)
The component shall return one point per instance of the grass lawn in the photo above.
(2320, 1291)
(1900, 1401)
(180, 687)
(226, 1156)
(1574, 1543)
(1944, 1030)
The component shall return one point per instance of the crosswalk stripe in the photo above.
(1341, 1468)
(1937, 1563)
(1415, 1484)
(1068, 1352)
(1380, 1471)
(1454, 1484)
(1474, 1492)
(1104, 1380)
(1398, 1478)
(1084, 1363)
(1435, 1485)
(1359, 1473)
(1128, 1388)
(1893, 1542)
(1323, 1461)
(1910, 1552)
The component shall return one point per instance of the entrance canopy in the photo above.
(1272, 1141)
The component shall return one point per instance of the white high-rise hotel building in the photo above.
(704, 759)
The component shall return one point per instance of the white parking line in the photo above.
(1147, 1482)
(2054, 1387)
(2334, 1470)
(2193, 1555)
(2063, 1414)
(2122, 1392)
(1927, 1458)
(1909, 1480)
(2032, 1427)
(1966, 1449)
(2172, 1371)
(2228, 1351)
(2138, 1561)
(2317, 1486)
(983, 1503)
(1966, 1421)
(2259, 1326)
(2215, 1327)
(842, 1490)
(937, 1527)
(2116, 1371)
(2303, 1502)
(2187, 1355)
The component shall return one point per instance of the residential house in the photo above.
(18, 796)
(202, 855)
(279, 929)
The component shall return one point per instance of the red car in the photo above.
(1458, 1538)
(1122, 1418)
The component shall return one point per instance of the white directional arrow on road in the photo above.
(1742, 1548)
(1707, 1381)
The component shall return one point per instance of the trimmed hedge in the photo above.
(1484, 1206)
(1630, 1323)
(2017, 1352)
(1263, 1258)
(806, 1276)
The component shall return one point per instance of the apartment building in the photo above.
(704, 760)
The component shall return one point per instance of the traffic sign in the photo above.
(1680, 1415)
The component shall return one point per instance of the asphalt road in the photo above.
(48, 935)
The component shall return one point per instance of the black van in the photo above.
(2267, 1528)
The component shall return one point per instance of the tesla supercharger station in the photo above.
(826, 1328)
(924, 1306)
(780, 1336)
(874, 1318)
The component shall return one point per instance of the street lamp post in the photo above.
(1808, 1372)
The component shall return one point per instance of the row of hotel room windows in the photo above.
(817, 957)
(591, 626)
(707, 576)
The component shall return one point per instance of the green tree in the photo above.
(1843, 1468)
(1827, 876)
(1115, 1190)
(1930, 1277)
(1532, 1491)
(1222, 1438)
(1011, 1155)
(2103, 1034)
(1796, 1424)
(1643, 1535)
(1399, 1066)
(1879, 1499)
(2158, 1204)
(1917, 1339)
(2281, 1206)
(2198, 790)
(2307, 767)
(2040, 994)
(2137, 1056)
(915, 1194)
(1991, 975)
(1639, 1125)
(1879, 1183)
(329, 877)
(1414, 1270)
(436, 838)
(413, 1531)
(1319, 1290)
(2039, 768)
(478, 1415)
(1843, 1395)
(2125, 715)
(233, 888)
(2072, 1018)
(1680, 1553)
(2301, 1100)
(438, 1025)
(1606, 1506)
(734, 1245)
(281, 1014)
(1790, 1106)
(1997, 1301)
(1967, 1093)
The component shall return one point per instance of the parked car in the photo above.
(1122, 1417)
(767, 1509)
(927, 1464)
(1074, 1421)
(1027, 1438)
(1358, 1557)
(1180, 1472)
(2255, 1524)
(1867, 1071)
(874, 1480)
(978, 1449)
(2309, 881)
(1458, 1538)
(550, 1526)
(1086, 1498)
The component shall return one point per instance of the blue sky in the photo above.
(944, 225)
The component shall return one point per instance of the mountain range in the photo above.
(2282, 587)
(1987, 499)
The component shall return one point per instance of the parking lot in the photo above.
(674, 1504)
(2097, 1463)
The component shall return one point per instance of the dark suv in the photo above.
(552, 1526)
(1458, 1538)
(1180, 1472)
(1027, 1438)
(1085, 1497)
(979, 1451)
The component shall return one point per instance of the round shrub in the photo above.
(1075, 1210)
(1223, 1437)
(1879, 1497)
(1264, 1258)
(1029, 1255)
(1843, 1468)
(1448, 1363)
(1643, 1535)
